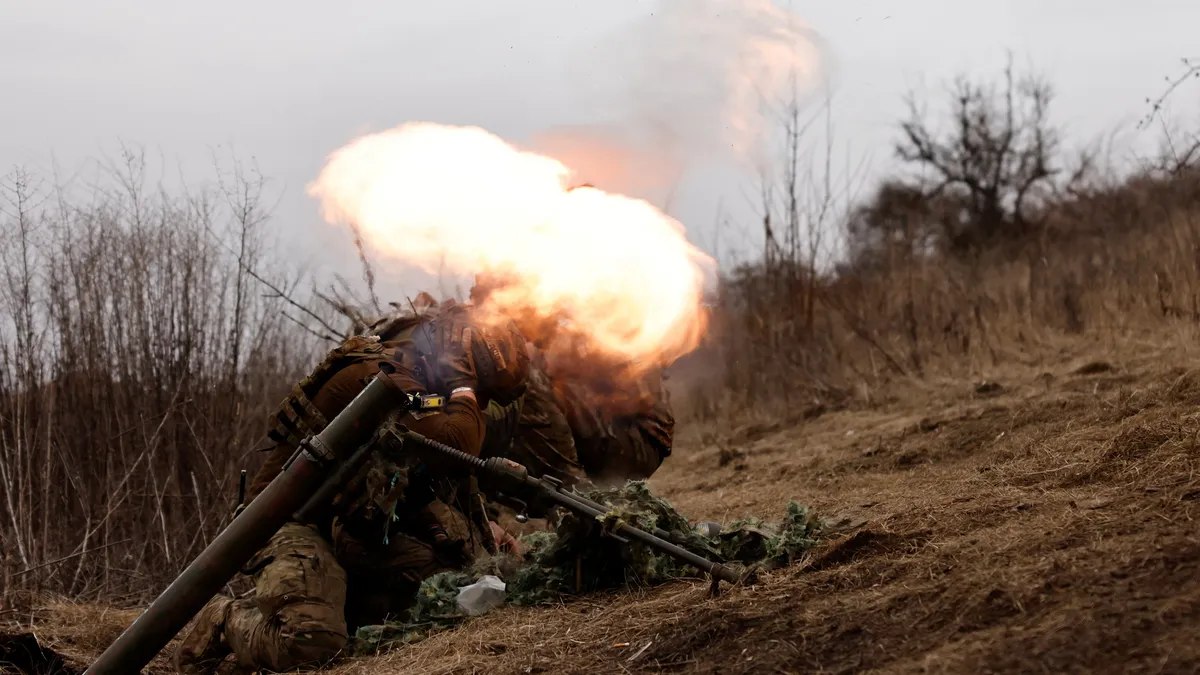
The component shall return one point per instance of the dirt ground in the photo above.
(1039, 522)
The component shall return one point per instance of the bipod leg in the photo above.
(714, 587)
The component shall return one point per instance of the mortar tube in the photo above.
(244, 536)
(312, 509)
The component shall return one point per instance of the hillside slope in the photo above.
(1044, 522)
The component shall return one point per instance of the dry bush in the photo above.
(914, 316)
(1004, 253)
(145, 334)
(138, 356)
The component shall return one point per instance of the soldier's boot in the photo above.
(204, 647)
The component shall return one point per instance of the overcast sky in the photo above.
(286, 83)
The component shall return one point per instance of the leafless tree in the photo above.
(139, 355)
(997, 153)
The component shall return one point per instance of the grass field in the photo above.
(1041, 521)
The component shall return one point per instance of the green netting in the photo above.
(576, 558)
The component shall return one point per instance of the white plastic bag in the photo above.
(481, 596)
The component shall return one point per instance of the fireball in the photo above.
(612, 271)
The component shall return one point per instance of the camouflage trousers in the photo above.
(533, 431)
(309, 593)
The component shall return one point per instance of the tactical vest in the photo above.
(296, 418)
(457, 516)
(372, 501)
(371, 497)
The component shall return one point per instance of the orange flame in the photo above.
(619, 271)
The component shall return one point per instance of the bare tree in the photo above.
(997, 151)
(1180, 149)
(1191, 71)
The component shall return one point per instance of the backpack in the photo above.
(296, 417)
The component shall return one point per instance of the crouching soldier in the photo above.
(622, 425)
(397, 522)
(584, 427)
(583, 418)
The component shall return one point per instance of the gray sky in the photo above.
(286, 83)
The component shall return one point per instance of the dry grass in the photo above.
(78, 632)
(1016, 426)
(138, 358)
(1046, 527)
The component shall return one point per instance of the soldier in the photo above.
(396, 523)
(621, 422)
(583, 418)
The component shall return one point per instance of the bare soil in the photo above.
(1042, 521)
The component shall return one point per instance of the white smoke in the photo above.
(694, 81)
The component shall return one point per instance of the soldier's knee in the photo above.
(295, 618)
(310, 635)
(298, 568)
(309, 643)
(301, 634)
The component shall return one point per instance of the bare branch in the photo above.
(1191, 71)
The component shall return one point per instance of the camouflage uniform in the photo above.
(534, 431)
(582, 417)
(396, 522)
(622, 425)
(576, 426)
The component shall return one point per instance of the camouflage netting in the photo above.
(577, 559)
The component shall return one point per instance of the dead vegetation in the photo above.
(137, 361)
(1003, 419)
(988, 243)
(1042, 529)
